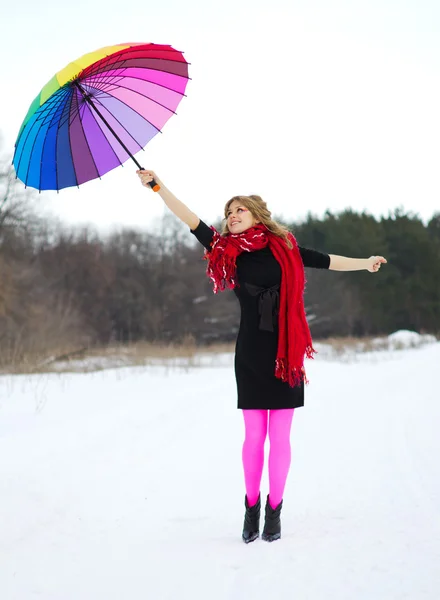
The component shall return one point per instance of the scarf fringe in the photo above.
(310, 351)
(296, 375)
(221, 273)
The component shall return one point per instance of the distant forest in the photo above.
(63, 289)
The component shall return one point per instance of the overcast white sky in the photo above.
(313, 104)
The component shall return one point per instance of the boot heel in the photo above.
(272, 522)
(251, 525)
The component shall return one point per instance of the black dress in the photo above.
(259, 278)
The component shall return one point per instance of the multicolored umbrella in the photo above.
(97, 112)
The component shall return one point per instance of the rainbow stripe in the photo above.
(64, 142)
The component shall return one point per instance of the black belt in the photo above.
(268, 304)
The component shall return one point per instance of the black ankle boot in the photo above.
(251, 526)
(272, 522)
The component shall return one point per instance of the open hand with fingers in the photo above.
(374, 263)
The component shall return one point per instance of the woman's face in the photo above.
(239, 218)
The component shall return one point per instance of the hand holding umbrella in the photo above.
(147, 177)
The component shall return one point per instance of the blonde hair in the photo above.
(260, 212)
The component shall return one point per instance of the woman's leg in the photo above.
(280, 422)
(255, 422)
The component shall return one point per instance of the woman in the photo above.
(261, 261)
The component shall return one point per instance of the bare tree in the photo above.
(17, 204)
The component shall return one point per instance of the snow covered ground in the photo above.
(127, 484)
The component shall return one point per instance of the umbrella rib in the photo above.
(138, 113)
(147, 69)
(114, 66)
(70, 99)
(101, 62)
(70, 141)
(135, 111)
(120, 75)
(122, 67)
(24, 143)
(140, 94)
(98, 76)
(30, 154)
(99, 125)
(87, 141)
(125, 129)
(111, 129)
(32, 149)
(104, 85)
(66, 97)
(133, 49)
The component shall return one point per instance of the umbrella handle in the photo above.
(154, 185)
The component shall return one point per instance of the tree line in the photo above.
(62, 289)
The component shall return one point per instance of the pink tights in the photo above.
(255, 422)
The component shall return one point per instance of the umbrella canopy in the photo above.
(97, 112)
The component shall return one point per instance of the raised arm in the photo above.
(343, 263)
(174, 204)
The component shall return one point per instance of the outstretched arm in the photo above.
(343, 263)
(174, 204)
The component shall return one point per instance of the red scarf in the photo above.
(294, 339)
